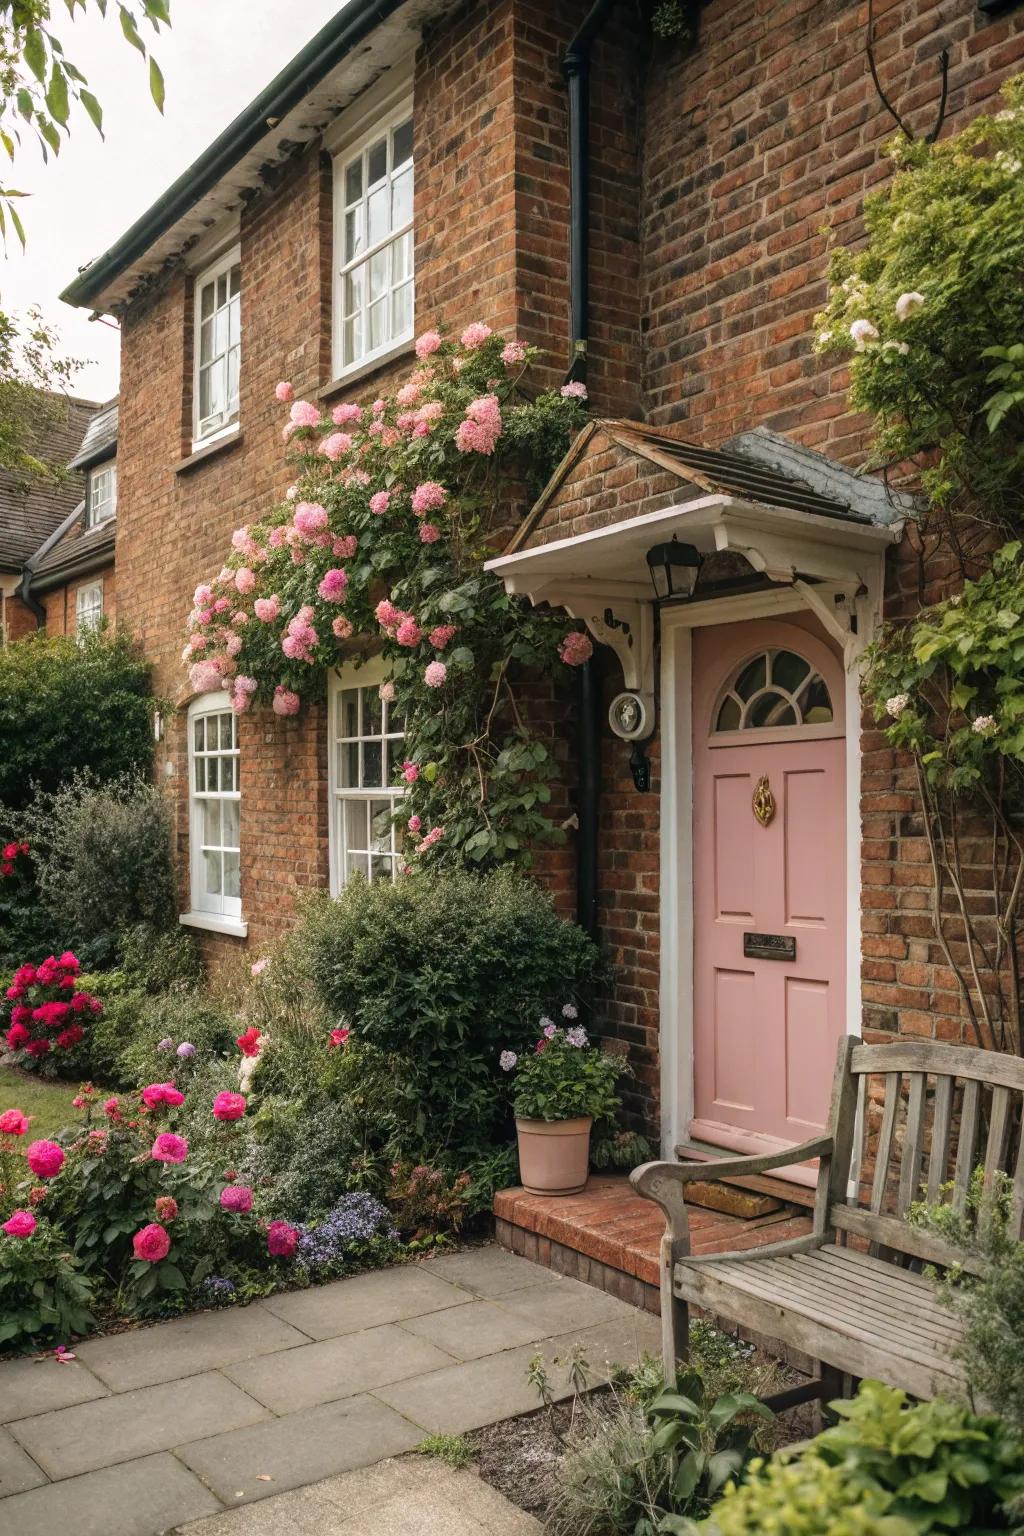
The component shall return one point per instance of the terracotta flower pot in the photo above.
(554, 1155)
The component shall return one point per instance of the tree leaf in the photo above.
(93, 108)
(156, 83)
(34, 53)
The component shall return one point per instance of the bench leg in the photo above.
(833, 1385)
(675, 1321)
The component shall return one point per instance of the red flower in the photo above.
(249, 1043)
(17, 1036)
(6, 868)
(11, 851)
(282, 1240)
(339, 1036)
(37, 1047)
(68, 1038)
(228, 1106)
(152, 1243)
(13, 1123)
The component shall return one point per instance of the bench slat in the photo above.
(964, 1061)
(998, 1127)
(965, 1144)
(938, 1161)
(913, 1141)
(884, 1149)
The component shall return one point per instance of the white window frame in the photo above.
(348, 800)
(96, 511)
(366, 131)
(228, 420)
(211, 910)
(89, 607)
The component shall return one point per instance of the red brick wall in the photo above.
(19, 619)
(60, 602)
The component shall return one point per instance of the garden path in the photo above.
(152, 1429)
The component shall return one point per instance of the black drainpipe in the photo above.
(25, 593)
(576, 69)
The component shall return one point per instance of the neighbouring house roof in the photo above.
(757, 466)
(100, 441)
(70, 556)
(355, 47)
(31, 510)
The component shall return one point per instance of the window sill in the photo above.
(208, 451)
(215, 922)
(360, 371)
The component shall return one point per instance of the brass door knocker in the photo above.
(763, 803)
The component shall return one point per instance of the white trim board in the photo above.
(676, 842)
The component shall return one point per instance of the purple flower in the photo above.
(549, 1027)
(570, 1011)
(577, 1036)
(507, 1060)
(185, 1049)
(166, 1044)
(357, 1218)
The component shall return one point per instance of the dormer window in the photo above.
(101, 494)
(218, 348)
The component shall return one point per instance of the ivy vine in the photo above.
(380, 547)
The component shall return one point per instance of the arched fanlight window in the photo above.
(776, 688)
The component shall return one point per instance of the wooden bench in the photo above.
(905, 1119)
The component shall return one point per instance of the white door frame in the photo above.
(676, 846)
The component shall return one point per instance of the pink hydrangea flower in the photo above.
(245, 579)
(203, 595)
(427, 344)
(513, 353)
(574, 390)
(45, 1158)
(345, 547)
(168, 1148)
(343, 414)
(442, 635)
(480, 430)
(304, 414)
(236, 1197)
(475, 335)
(267, 609)
(342, 628)
(284, 392)
(152, 1243)
(434, 674)
(282, 1240)
(332, 587)
(409, 393)
(13, 1123)
(429, 534)
(410, 771)
(310, 518)
(20, 1224)
(205, 676)
(408, 632)
(433, 836)
(229, 1106)
(166, 1206)
(414, 823)
(428, 497)
(334, 446)
(233, 644)
(380, 501)
(576, 648)
(386, 692)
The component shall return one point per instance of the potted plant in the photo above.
(561, 1088)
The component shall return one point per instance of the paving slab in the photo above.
(299, 1449)
(136, 1499)
(114, 1429)
(556, 1304)
(481, 1328)
(36, 1386)
(202, 1342)
(17, 1469)
(341, 1367)
(412, 1497)
(366, 1301)
(495, 1387)
(487, 1271)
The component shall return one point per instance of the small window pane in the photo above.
(401, 310)
(206, 301)
(377, 224)
(752, 678)
(353, 233)
(401, 199)
(380, 824)
(401, 143)
(199, 730)
(815, 703)
(232, 875)
(349, 712)
(355, 289)
(378, 323)
(771, 709)
(378, 274)
(729, 715)
(212, 872)
(372, 764)
(354, 181)
(373, 712)
(211, 824)
(788, 670)
(230, 823)
(377, 162)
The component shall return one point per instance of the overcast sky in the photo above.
(217, 56)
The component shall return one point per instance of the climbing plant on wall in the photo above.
(381, 546)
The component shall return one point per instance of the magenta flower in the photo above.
(282, 1240)
(20, 1224)
(13, 1123)
(429, 534)
(332, 587)
(169, 1148)
(45, 1158)
(152, 1243)
(427, 497)
(229, 1106)
(237, 1198)
(162, 1093)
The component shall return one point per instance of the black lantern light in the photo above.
(674, 569)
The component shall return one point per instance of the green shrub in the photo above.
(71, 705)
(43, 1292)
(562, 1078)
(158, 960)
(888, 1469)
(103, 862)
(26, 928)
(182, 1018)
(441, 973)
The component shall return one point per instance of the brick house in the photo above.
(652, 216)
(57, 535)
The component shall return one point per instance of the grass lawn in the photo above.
(49, 1104)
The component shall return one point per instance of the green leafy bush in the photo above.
(161, 959)
(563, 1077)
(103, 861)
(71, 705)
(439, 973)
(43, 1292)
(166, 1022)
(26, 928)
(888, 1469)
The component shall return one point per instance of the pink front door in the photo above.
(769, 891)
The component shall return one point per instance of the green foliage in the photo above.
(180, 1016)
(888, 1469)
(103, 862)
(439, 974)
(990, 1304)
(611, 1147)
(26, 928)
(454, 1450)
(71, 706)
(43, 1292)
(34, 383)
(948, 230)
(560, 1081)
(159, 959)
(460, 651)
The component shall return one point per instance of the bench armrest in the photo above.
(650, 1175)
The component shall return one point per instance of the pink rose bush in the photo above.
(47, 1010)
(400, 497)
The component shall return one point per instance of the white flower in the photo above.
(507, 1060)
(577, 1036)
(259, 966)
(292, 492)
(896, 346)
(863, 332)
(570, 1011)
(1009, 163)
(897, 704)
(907, 303)
(984, 725)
